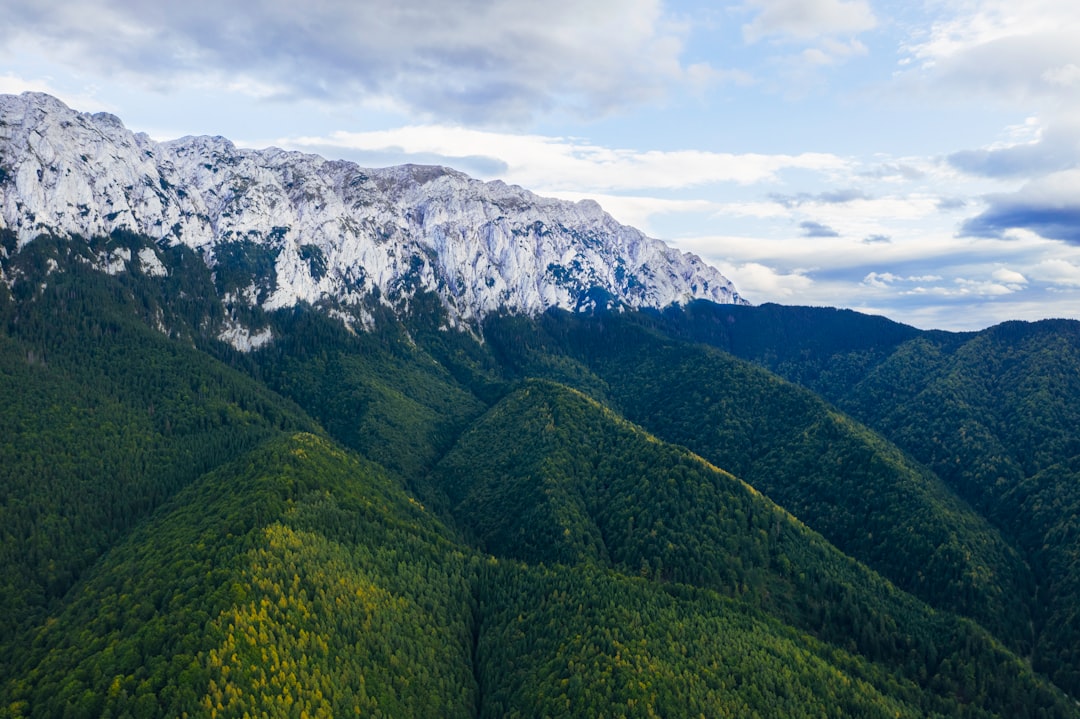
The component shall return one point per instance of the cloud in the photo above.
(1051, 222)
(876, 240)
(816, 229)
(827, 52)
(815, 35)
(756, 280)
(881, 280)
(548, 164)
(925, 286)
(639, 210)
(929, 279)
(1009, 277)
(13, 85)
(1066, 76)
(983, 287)
(1053, 150)
(951, 203)
(895, 171)
(1048, 206)
(1056, 272)
(1021, 54)
(974, 313)
(1008, 49)
(468, 59)
(807, 19)
(827, 198)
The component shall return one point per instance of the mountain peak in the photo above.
(331, 232)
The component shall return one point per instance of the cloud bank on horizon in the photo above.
(921, 162)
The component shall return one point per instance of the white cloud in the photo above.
(831, 52)
(824, 29)
(761, 283)
(1023, 54)
(1066, 76)
(1009, 277)
(1006, 48)
(550, 164)
(1056, 271)
(807, 19)
(1002, 282)
(977, 313)
(638, 210)
(984, 287)
(881, 280)
(13, 85)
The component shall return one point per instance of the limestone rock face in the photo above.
(333, 231)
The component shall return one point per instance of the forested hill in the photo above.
(993, 414)
(707, 511)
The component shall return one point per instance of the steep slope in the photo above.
(296, 579)
(103, 419)
(996, 417)
(1046, 507)
(993, 413)
(603, 644)
(858, 491)
(550, 476)
(299, 579)
(377, 392)
(318, 231)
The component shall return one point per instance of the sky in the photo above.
(918, 160)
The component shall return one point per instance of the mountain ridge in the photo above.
(330, 232)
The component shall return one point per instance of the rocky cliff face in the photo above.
(330, 231)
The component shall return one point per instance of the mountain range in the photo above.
(330, 232)
(283, 436)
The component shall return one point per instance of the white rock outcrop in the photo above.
(335, 231)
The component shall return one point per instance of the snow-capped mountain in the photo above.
(332, 231)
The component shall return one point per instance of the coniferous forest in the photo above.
(706, 511)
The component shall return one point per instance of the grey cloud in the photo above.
(842, 196)
(906, 172)
(951, 203)
(1058, 149)
(829, 198)
(467, 59)
(877, 240)
(1011, 162)
(1049, 207)
(1054, 223)
(816, 229)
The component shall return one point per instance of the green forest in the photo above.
(708, 511)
